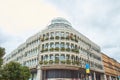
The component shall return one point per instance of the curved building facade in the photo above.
(59, 53)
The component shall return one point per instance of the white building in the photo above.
(59, 52)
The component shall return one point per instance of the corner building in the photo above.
(59, 53)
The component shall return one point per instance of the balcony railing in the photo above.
(72, 38)
(60, 49)
(66, 62)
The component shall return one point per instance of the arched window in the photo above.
(51, 57)
(57, 57)
(52, 45)
(62, 45)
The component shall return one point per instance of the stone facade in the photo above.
(59, 52)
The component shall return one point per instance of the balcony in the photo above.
(59, 62)
(60, 49)
(61, 38)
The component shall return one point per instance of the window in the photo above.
(62, 45)
(62, 34)
(52, 45)
(67, 45)
(57, 57)
(57, 34)
(57, 45)
(62, 57)
(51, 57)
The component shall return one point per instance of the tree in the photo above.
(2, 52)
(15, 71)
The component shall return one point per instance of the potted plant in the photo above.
(50, 61)
(51, 37)
(68, 61)
(73, 62)
(62, 49)
(45, 62)
(51, 49)
(41, 62)
(57, 37)
(56, 49)
(56, 61)
(68, 49)
(63, 61)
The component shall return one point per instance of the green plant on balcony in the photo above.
(57, 37)
(63, 61)
(51, 49)
(73, 62)
(45, 62)
(52, 37)
(57, 61)
(77, 62)
(42, 50)
(46, 49)
(50, 61)
(56, 49)
(46, 38)
(42, 39)
(76, 40)
(72, 38)
(68, 49)
(68, 61)
(62, 49)
(67, 38)
(62, 37)
(77, 50)
(41, 62)
(73, 50)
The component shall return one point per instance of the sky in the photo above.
(99, 20)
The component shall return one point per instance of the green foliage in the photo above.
(62, 37)
(41, 62)
(50, 61)
(67, 37)
(25, 73)
(68, 61)
(77, 62)
(63, 61)
(73, 62)
(51, 49)
(57, 37)
(45, 62)
(56, 49)
(62, 49)
(56, 61)
(2, 52)
(51, 37)
(46, 38)
(68, 49)
(15, 71)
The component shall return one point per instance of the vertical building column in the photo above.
(94, 76)
(110, 77)
(102, 77)
(39, 73)
(105, 78)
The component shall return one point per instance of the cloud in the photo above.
(98, 20)
(20, 19)
(17, 16)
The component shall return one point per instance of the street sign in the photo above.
(87, 66)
